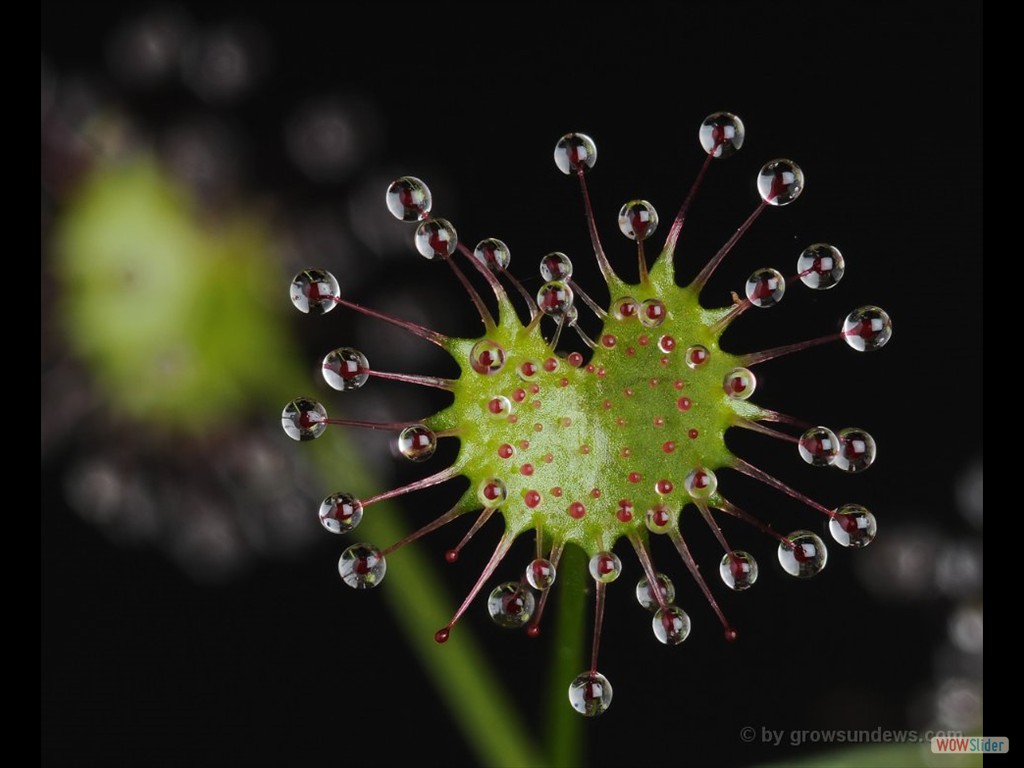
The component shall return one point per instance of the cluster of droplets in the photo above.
(656, 338)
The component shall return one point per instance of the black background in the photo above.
(881, 106)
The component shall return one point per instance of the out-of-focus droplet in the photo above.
(555, 266)
(493, 254)
(315, 291)
(804, 556)
(362, 566)
(304, 419)
(574, 152)
(511, 605)
(221, 64)
(555, 298)
(646, 597)
(340, 512)
(780, 182)
(345, 369)
(146, 49)
(328, 138)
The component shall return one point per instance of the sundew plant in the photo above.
(605, 450)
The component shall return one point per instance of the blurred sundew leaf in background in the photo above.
(176, 322)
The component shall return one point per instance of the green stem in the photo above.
(564, 737)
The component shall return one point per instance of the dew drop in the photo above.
(856, 450)
(638, 219)
(645, 595)
(304, 419)
(362, 566)
(739, 383)
(658, 519)
(417, 443)
(491, 492)
(340, 512)
(487, 357)
(493, 254)
(671, 625)
(590, 694)
(700, 483)
(804, 556)
(555, 266)
(314, 291)
(818, 446)
(511, 605)
(605, 567)
(867, 328)
(738, 570)
(540, 574)
(345, 369)
(697, 355)
(853, 526)
(653, 313)
(408, 199)
(436, 239)
(575, 151)
(721, 134)
(555, 298)
(820, 266)
(780, 182)
(765, 288)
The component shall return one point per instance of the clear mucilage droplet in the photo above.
(804, 556)
(575, 152)
(652, 312)
(646, 597)
(511, 605)
(765, 288)
(362, 566)
(555, 266)
(541, 574)
(314, 291)
(818, 446)
(867, 328)
(638, 219)
(555, 298)
(345, 369)
(820, 266)
(738, 570)
(721, 134)
(739, 383)
(408, 199)
(341, 512)
(856, 450)
(700, 483)
(304, 419)
(780, 182)
(671, 625)
(697, 356)
(436, 239)
(853, 526)
(487, 357)
(493, 254)
(417, 443)
(492, 492)
(605, 567)
(590, 694)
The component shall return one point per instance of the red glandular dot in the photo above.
(625, 511)
(693, 433)
(658, 421)
(630, 351)
(548, 458)
(563, 382)
(607, 404)
(663, 486)
(684, 404)
(678, 384)
(550, 364)
(584, 449)
(668, 446)
(595, 493)
(532, 499)
(506, 451)
(635, 477)
(524, 444)
(556, 491)
(535, 388)
(667, 343)
(643, 340)
(575, 359)
(625, 453)
(565, 421)
(538, 427)
(608, 340)
(519, 395)
(526, 469)
(577, 510)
